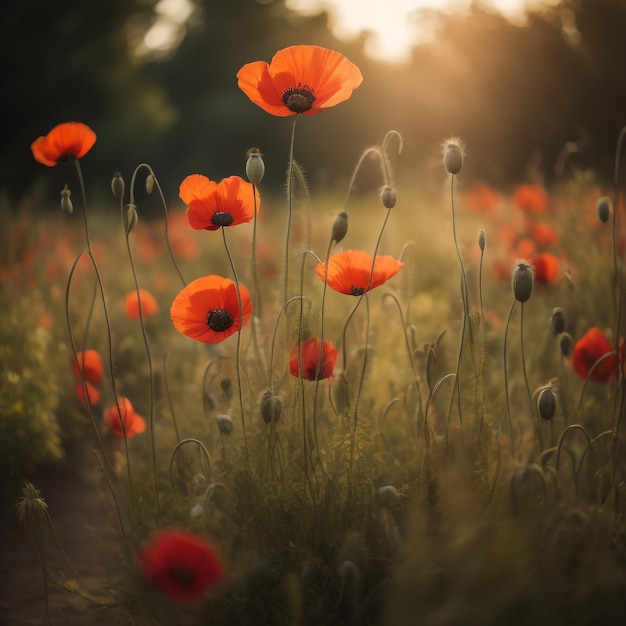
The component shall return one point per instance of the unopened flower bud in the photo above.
(340, 227)
(546, 403)
(271, 406)
(388, 197)
(224, 424)
(387, 496)
(66, 200)
(130, 217)
(453, 155)
(255, 167)
(522, 282)
(603, 209)
(482, 240)
(557, 321)
(149, 183)
(117, 186)
(566, 343)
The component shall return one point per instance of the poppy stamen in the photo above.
(222, 218)
(219, 320)
(299, 99)
(357, 291)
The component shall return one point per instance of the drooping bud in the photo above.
(340, 227)
(255, 167)
(66, 200)
(388, 196)
(224, 424)
(482, 240)
(546, 403)
(453, 151)
(149, 183)
(603, 209)
(130, 217)
(566, 343)
(522, 281)
(271, 406)
(557, 321)
(117, 186)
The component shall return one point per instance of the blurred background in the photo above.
(524, 84)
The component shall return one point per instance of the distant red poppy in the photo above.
(132, 421)
(350, 272)
(208, 309)
(526, 248)
(481, 198)
(531, 198)
(149, 306)
(300, 79)
(93, 395)
(546, 267)
(181, 565)
(67, 140)
(212, 205)
(90, 363)
(588, 350)
(312, 367)
(544, 235)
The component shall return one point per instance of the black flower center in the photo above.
(182, 576)
(222, 218)
(299, 99)
(219, 320)
(357, 291)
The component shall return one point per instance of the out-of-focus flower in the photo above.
(64, 141)
(125, 421)
(531, 198)
(90, 363)
(181, 565)
(92, 397)
(314, 368)
(546, 267)
(149, 306)
(350, 272)
(208, 309)
(481, 198)
(544, 235)
(300, 79)
(590, 348)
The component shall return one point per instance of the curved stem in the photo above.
(289, 206)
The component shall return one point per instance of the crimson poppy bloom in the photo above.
(546, 267)
(132, 421)
(208, 309)
(90, 363)
(149, 306)
(588, 350)
(300, 79)
(181, 565)
(211, 205)
(314, 368)
(67, 140)
(350, 272)
(92, 397)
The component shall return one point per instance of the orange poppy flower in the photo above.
(149, 306)
(208, 309)
(92, 395)
(314, 368)
(588, 350)
(300, 79)
(544, 235)
(531, 198)
(133, 423)
(350, 272)
(211, 205)
(90, 363)
(546, 267)
(67, 140)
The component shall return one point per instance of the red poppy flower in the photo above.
(531, 198)
(90, 363)
(350, 271)
(546, 267)
(181, 565)
(591, 347)
(93, 395)
(544, 235)
(314, 368)
(211, 205)
(300, 79)
(67, 140)
(148, 302)
(208, 309)
(133, 422)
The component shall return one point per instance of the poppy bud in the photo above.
(149, 183)
(603, 209)
(340, 227)
(130, 218)
(117, 186)
(481, 240)
(557, 321)
(271, 407)
(566, 343)
(453, 155)
(522, 282)
(66, 201)
(388, 197)
(255, 167)
(224, 424)
(546, 403)
(226, 384)
(209, 401)
(387, 496)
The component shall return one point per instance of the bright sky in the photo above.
(390, 21)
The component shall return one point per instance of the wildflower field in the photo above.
(318, 407)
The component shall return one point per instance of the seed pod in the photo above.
(557, 321)
(66, 201)
(603, 209)
(149, 183)
(388, 197)
(546, 403)
(117, 186)
(271, 406)
(130, 217)
(340, 227)
(453, 155)
(522, 282)
(481, 240)
(224, 424)
(255, 167)
(566, 343)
